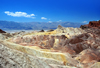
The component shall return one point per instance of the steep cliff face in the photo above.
(94, 23)
(61, 48)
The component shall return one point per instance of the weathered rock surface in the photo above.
(1, 31)
(41, 31)
(4, 36)
(61, 48)
(17, 56)
(92, 24)
(69, 31)
(50, 30)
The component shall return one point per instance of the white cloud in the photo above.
(84, 22)
(59, 21)
(43, 18)
(19, 14)
(49, 21)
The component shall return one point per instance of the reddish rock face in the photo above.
(92, 24)
(89, 55)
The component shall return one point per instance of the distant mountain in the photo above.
(10, 25)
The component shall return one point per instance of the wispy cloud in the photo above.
(49, 21)
(59, 21)
(84, 22)
(19, 14)
(43, 18)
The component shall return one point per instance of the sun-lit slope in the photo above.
(68, 32)
(36, 51)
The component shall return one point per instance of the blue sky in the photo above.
(81, 11)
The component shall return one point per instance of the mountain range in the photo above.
(11, 25)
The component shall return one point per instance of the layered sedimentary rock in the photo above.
(61, 48)
(16, 56)
(4, 36)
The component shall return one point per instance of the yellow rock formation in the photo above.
(36, 51)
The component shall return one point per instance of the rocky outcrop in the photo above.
(92, 24)
(4, 36)
(84, 26)
(50, 30)
(41, 30)
(92, 55)
(69, 31)
(1, 31)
